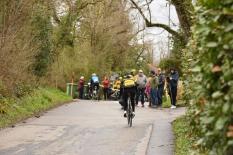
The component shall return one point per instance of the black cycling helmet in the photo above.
(128, 75)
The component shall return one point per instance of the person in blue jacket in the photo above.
(95, 82)
(173, 83)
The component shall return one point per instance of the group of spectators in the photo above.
(151, 87)
(156, 86)
(94, 82)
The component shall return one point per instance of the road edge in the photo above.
(143, 145)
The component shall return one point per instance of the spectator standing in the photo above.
(81, 87)
(173, 83)
(147, 91)
(117, 83)
(161, 78)
(141, 85)
(154, 89)
(106, 84)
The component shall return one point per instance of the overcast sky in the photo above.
(157, 36)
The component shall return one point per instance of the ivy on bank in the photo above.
(210, 81)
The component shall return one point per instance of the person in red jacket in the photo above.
(106, 84)
(81, 87)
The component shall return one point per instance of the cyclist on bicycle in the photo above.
(94, 82)
(128, 88)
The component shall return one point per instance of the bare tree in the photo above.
(183, 9)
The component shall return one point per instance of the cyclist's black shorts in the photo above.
(129, 92)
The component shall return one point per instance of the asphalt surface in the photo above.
(92, 128)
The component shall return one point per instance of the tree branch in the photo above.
(139, 31)
(167, 28)
(148, 8)
(140, 11)
(163, 26)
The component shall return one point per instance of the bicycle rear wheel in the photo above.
(129, 113)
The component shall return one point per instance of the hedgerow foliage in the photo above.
(211, 94)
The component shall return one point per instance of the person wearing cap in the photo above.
(81, 87)
(161, 78)
(141, 81)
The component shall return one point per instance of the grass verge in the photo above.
(184, 139)
(40, 100)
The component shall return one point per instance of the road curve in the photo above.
(92, 128)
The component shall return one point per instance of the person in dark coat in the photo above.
(173, 83)
(160, 87)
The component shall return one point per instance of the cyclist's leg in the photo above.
(91, 88)
(98, 86)
(132, 97)
(125, 97)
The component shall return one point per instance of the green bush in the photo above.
(3, 90)
(21, 89)
(211, 82)
(4, 104)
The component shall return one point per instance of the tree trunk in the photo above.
(184, 10)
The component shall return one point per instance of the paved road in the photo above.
(92, 128)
